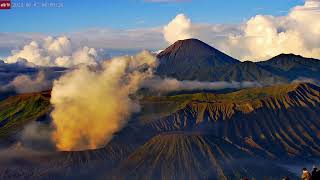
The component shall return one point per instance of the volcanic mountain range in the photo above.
(204, 135)
(192, 59)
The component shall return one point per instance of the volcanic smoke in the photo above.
(92, 103)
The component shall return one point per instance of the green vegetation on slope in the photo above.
(17, 111)
(258, 93)
(161, 106)
(273, 122)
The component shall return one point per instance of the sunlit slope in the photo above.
(243, 100)
(202, 135)
(17, 111)
(269, 121)
(273, 121)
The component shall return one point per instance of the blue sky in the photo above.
(131, 14)
(245, 29)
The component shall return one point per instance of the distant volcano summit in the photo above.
(194, 49)
(192, 59)
(188, 58)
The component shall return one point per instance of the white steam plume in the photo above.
(91, 104)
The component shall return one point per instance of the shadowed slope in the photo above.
(293, 66)
(192, 156)
(191, 59)
(26, 164)
(249, 71)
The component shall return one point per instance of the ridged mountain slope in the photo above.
(274, 121)
(293, 66)
(193, 156)
(17, 111)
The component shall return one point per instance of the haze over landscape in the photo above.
(164, 89)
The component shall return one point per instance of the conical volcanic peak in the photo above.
(191, 59)
(195, 48)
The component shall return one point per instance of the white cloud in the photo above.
(267, 36)
(54, 52)
(26, 84)
(59, 46)
(144, 38)
(259, 38)
(171, 85)
(178, 29)
(98, 38)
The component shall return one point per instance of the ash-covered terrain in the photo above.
(235, 131)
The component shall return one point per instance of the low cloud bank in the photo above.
(18, 78)
(37, 136)
(30, 82)
(26, 84)
(171, 85)
(51, 51)
(306, 80)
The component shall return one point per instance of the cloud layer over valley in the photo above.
(171, 85)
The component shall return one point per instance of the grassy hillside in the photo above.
(161, 106)
(17, 111)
